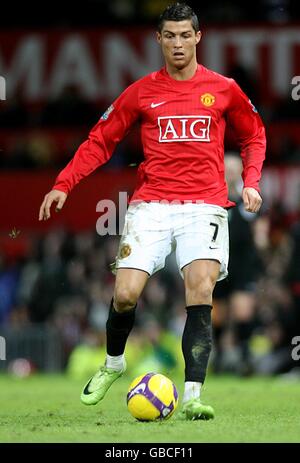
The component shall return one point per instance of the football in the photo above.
(151, 397)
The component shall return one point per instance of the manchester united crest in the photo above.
(125, 251)
(208, 99)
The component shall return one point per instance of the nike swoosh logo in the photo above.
(213, 247)
(86, 389)
(154, 105)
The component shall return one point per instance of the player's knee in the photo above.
(200, 292)
(124, 299)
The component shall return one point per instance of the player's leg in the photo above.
(202, 257)
(128, 287)
(220, 323)
(145, 243)
(200, 277)
(242, 311)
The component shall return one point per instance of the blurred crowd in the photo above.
(48, 135)
(64, 281)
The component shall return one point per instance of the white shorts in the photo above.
(153, 230)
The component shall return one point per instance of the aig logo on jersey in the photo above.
(184, 128)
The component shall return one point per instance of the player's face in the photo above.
(178, 41)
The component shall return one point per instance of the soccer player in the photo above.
(180, 201)
(234, 300)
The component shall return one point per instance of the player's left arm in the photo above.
(250, 133)
(252, 199)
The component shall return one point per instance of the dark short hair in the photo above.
(178, 12)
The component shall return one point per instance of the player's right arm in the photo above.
(96, 150)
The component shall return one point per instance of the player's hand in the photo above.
(252, 199)
(54, 196)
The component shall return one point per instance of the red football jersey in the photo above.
(182, 131)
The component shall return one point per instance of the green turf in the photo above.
(47, 409)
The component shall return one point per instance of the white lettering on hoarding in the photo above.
(41, 68)
(26, 69)
(248, 45)
(74, 65)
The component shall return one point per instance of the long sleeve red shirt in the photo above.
(182, 131)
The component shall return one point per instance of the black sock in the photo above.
(118, 327)
(197, 342)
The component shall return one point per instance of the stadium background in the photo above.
(63, 65)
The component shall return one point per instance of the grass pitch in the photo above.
(46, 409)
